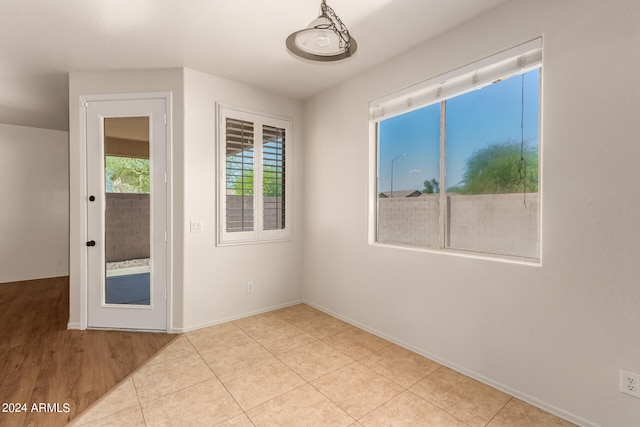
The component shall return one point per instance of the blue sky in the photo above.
(474, 120)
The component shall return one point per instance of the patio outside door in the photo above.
(127, 214)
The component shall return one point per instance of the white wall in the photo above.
(97, 83)
(216, 277)
(208, 283)
(554, 335)
(34, 217)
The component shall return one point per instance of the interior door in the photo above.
(127, 214)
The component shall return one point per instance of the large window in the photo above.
(458, 159)
(255, 189)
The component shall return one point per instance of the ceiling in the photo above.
(243, 40)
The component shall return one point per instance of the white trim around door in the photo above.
(96, 310)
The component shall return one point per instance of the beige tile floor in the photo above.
(300, 367)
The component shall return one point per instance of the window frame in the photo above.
(474, 76)
(259, 234)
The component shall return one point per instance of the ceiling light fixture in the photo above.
(325, 39)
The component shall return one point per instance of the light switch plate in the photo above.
(196, 227)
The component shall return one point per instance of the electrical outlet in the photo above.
(630, 383)
(250, 287)
(59, 262)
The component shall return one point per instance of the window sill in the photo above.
(255, 242)
(531, 262)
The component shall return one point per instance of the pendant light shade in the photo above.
(325, 39)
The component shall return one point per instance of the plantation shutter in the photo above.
(254, 181)
(239, 175)
(273, 177)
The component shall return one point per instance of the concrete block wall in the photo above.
(493, 223)
(272, 206)
(409, 220)
(127, 219)
(239, 213)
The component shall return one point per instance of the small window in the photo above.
(458, 160)
(255, 190)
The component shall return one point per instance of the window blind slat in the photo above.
(239, 175)
(273, 157)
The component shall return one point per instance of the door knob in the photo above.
(92, 198)
(91, 243)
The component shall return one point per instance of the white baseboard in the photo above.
(73, 326)
(232, 318)
(488, 381)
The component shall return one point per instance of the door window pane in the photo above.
(127, 211)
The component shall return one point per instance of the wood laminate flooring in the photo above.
(41, 362)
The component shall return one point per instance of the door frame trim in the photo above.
(83, 225)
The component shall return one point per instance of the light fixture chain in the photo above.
(340, 29)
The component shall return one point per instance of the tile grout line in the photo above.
(267, 327)
(438, 407)
(124, 380)
(342, 367)
(135, 388)
(279, 360)
(273, 355)
(434, 404)
(404, 389)
(306, 382)
(335, 403)
(180, 389)
(186, 387)
(500, 410)
(220, 381)
(74, 421)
